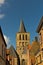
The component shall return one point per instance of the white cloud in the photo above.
(1, 16)
(7, 41)
(3, 6)
(2, 2)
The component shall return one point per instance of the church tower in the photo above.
(22, 41)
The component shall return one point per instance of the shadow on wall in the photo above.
(7, 62)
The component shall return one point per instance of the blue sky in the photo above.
(12, 11)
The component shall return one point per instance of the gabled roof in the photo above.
(40, 25)
(13, 52)
(2, 36)
(22, 27)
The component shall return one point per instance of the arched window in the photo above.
(23, 44)
(23, 37)
(19, 37)
(26, 37)
(23, 62)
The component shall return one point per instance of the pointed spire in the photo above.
(40, 25)
(22, 27)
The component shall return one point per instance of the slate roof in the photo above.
(2, 36)
(22, 27)
(40, 25)
(13, 52)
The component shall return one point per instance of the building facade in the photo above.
(39, 55)
(2, 49)
(22, 41)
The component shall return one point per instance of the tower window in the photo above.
(19, 37)
(23, 44)
(23, 37)
(26, 37)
